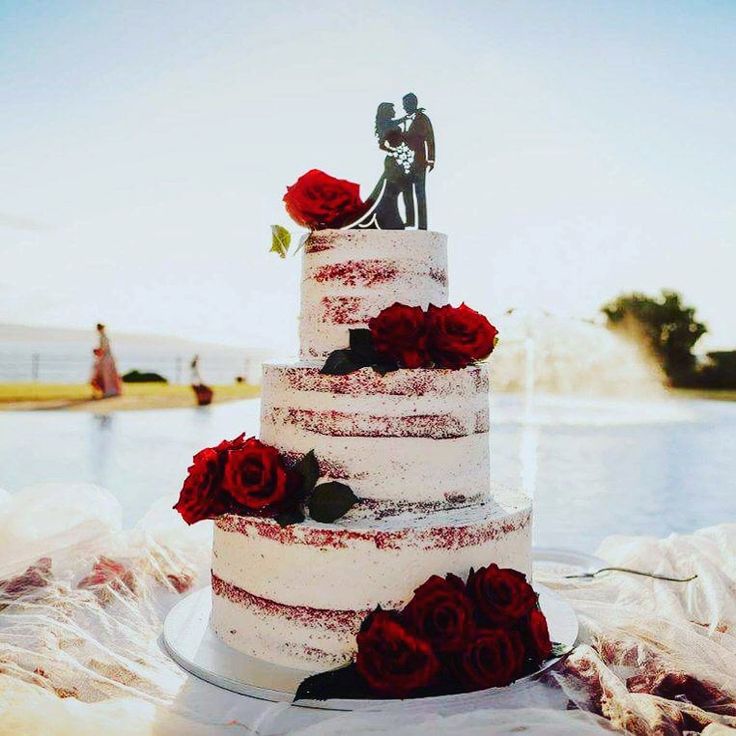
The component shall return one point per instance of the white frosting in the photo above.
(278, 639)
(350, 566)
(349, 276)
(416, 436)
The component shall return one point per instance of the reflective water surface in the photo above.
(594, 467)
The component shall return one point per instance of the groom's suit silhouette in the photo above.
(419, 137)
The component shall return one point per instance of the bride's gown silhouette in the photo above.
(383, 202)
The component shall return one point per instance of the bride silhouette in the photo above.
(383, 201)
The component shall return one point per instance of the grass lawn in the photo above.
(715, 394)
(135, 396)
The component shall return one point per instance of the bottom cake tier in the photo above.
(296, 595)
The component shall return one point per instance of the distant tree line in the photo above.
(670, 330)
(136, 376)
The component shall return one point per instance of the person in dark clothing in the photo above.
(419, 136)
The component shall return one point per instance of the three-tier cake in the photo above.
(412, 444)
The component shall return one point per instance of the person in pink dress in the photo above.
(105, 379)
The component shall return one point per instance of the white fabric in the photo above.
(654, 657)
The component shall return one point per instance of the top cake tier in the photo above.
(349, 276)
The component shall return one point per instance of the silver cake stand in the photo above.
(190, 641)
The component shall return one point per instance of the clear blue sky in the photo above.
(584, 148)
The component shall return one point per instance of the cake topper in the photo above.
(318, 201)
(410, 153)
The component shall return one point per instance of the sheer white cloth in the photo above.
(82, 602)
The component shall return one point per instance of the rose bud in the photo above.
(202, 496)
(318, 200)
(459, 336)
(400, 333)
(441, 613)
(392, 661)
(502, 596)
(256, 478)
(536, 636)
(494, 658)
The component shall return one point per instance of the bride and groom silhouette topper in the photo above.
(409, 145)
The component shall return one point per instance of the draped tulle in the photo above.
(82, 602)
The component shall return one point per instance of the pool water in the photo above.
(594, 467)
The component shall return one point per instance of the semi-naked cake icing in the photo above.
(411, 444)
(349, 276)
(380, 434)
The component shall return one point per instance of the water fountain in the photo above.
(552, 372)
(547, 354)
(530, 432)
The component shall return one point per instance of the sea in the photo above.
(595, 467)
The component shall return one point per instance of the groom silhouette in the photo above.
(419, 137)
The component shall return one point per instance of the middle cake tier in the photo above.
(411, 438)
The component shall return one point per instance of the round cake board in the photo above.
(191, 642)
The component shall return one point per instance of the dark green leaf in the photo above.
(385, 367)
(280, 240)
(344, 682)
(340, 363)
(308, 468)
(361, 347)
(291, 516)
(330, 501)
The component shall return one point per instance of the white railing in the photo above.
(56, 367)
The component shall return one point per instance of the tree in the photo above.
(668, 327)
(718, 370)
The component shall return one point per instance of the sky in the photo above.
(583, 149)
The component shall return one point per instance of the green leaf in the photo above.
(361, 347)
(290, 516)
(308, 468)
(330, 501)
(340, 363)
(280, 240)
(558, 650)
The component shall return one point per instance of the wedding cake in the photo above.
(410, 443)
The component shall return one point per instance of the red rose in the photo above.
(202, 496)
(393, 662)
(458, 336)
(400, 333)
(494, 658)
(256, 477)
(441, 613)
(536, 635)
(318, 200)
(502, 596)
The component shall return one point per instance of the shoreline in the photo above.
(138, 396)
(142, 396)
